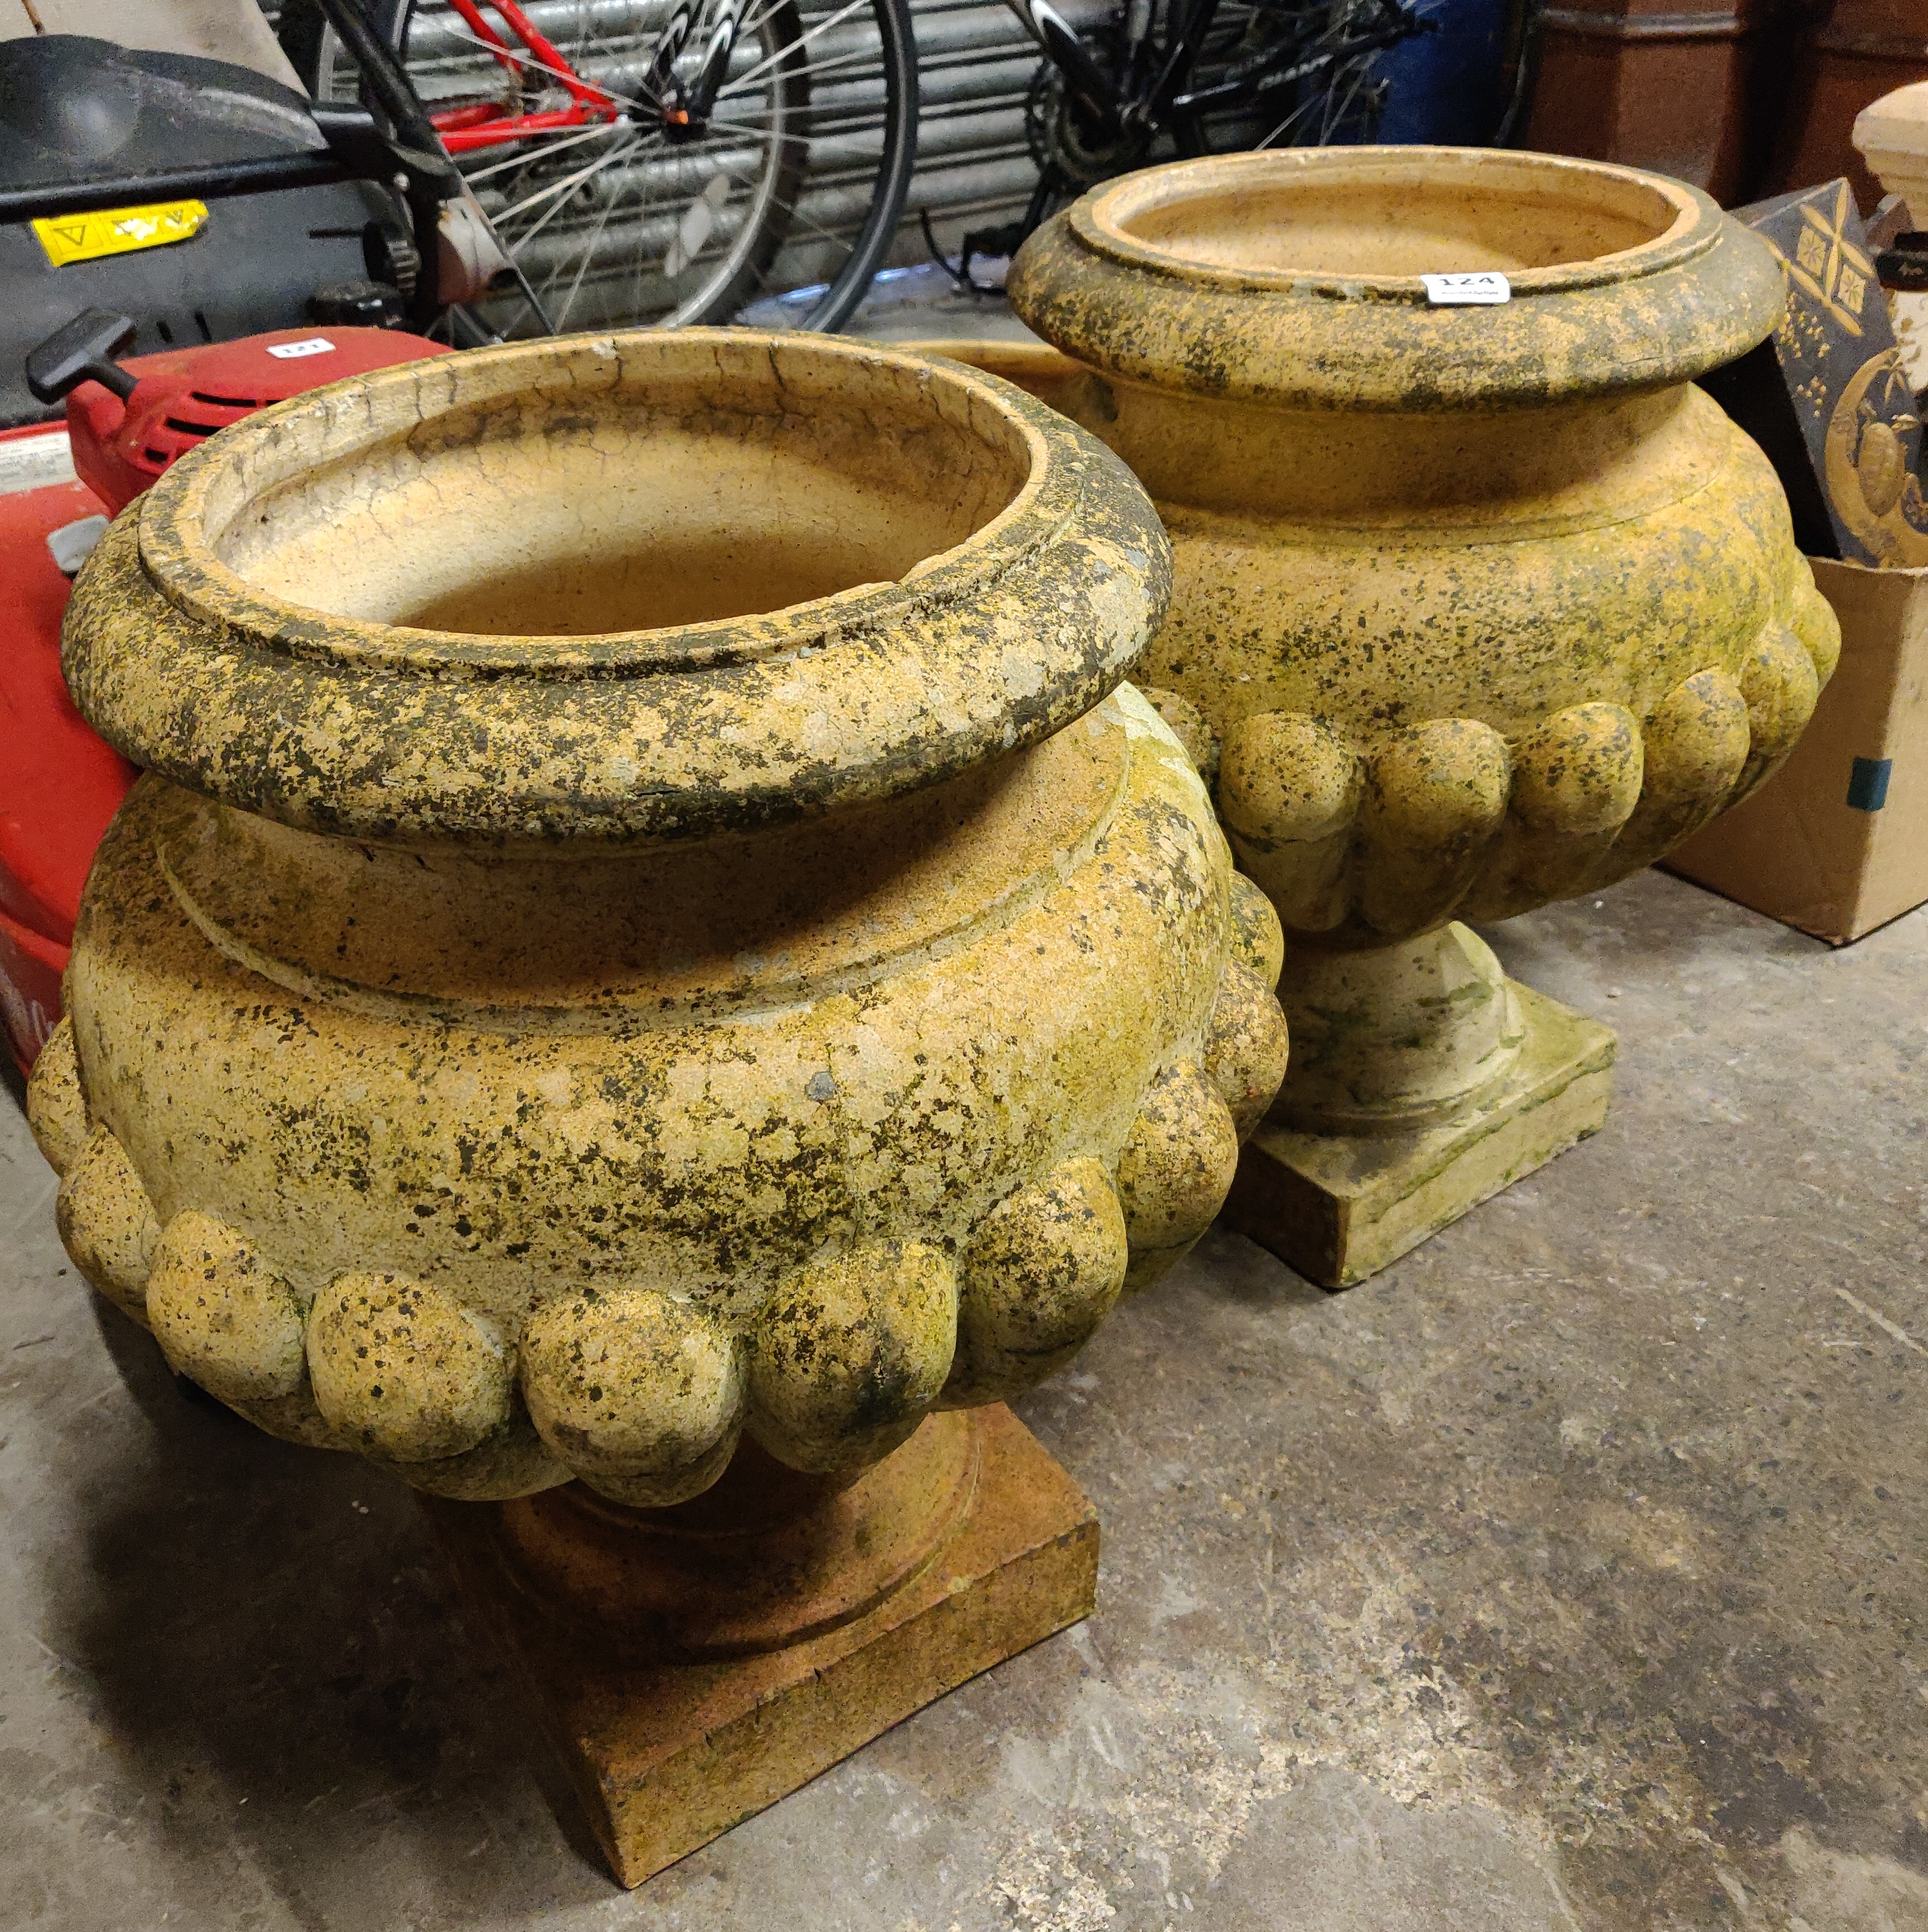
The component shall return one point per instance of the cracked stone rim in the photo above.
(177, 554)
(400, 734)
(1698, 291)
(1103, 217)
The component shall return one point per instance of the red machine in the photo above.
(59, 784)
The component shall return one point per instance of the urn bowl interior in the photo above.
(1389, 214)
(620, 487)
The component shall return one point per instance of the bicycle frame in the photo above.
(1270, 79)
(1162, 96)
(465, 130)
(1153, 97)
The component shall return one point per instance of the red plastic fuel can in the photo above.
(59, 784)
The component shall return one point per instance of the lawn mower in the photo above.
(136, 212)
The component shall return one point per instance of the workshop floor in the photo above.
(1569, 1574)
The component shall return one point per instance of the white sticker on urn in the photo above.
(1488, 285)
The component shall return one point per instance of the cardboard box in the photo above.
(1836, 842)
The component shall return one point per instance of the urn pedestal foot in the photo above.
(667, 1749)
(1340, 1207)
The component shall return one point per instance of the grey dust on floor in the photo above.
(919, 301)
(1568, 1575)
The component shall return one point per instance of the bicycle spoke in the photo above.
(638, 206)
(528, 235)
(588, 254)
(1335, 117)
(1337, 120)
(803, 40)
(577, 136)
(861, 56)
(1298, 113)
(562, 74)
(568, 183)
(796, 213)
(753, 29)
(767, 134)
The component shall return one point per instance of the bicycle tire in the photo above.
(1068, 165)
(805, 91)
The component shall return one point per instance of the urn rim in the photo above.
(1115, 283)
(630, 737)
(1103, 217)
(174, 548)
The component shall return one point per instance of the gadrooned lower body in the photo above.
(1470, 659)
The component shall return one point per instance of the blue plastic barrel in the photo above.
(1445, 86)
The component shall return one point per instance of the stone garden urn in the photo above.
(657, 975)
(1475, 607)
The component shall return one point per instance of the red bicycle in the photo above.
(661, 161)
(485, 124)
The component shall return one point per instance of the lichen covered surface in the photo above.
(415, 1103)
(1556, 686)
(768, 998)
(1292, 277)
(615, 589)
(1483, 606)
(1568, 1574)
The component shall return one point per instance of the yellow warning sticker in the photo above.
(118, 231)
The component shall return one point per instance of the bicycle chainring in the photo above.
(1060, 144)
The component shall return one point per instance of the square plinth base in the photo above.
(1341, 1206)
(665, 1757)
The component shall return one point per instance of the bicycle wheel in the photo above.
(796, 179)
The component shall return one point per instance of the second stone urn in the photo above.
(1475, 607)
(657, 975)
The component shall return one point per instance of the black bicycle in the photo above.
(1175, 78)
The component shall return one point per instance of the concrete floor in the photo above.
(1570, 1574)
(906, 304)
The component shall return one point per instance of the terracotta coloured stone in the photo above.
(1474, 606)
(656, 948)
